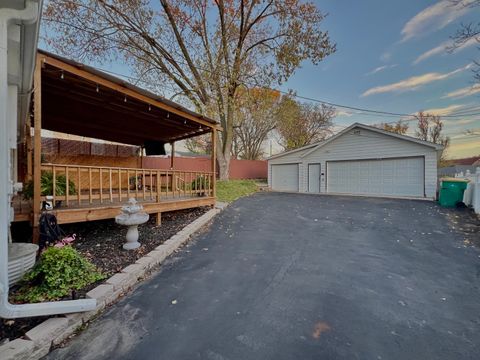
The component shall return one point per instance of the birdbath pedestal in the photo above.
(132, 215)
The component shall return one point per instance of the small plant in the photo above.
(46, 186)
(201, 184)
(60, 271)
(135, 182)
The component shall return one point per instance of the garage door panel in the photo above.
(401, 177)
(285, 177)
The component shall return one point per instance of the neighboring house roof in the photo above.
(473, 160)
(312, 147)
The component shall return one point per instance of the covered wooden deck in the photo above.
(76, 99)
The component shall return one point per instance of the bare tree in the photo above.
(422, 125)
(256, 110)
(467, 31)
(203, 50)
(300, 124)
(199, 144)
(429, 128)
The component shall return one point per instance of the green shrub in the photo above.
(59, 272)
(46, 186)
(201, 183)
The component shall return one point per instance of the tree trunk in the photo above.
(223, 165)
(225, 141)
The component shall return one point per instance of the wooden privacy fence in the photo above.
(76, 185)
(239, 169)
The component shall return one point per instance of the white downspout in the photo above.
(28, 15)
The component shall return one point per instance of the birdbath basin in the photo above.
(132, 215)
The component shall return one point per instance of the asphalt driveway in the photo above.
(290, 276)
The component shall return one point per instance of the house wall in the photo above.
(362, 146)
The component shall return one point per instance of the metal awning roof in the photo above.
(81, 100)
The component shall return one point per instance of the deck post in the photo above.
(214, 162)
(159, 219)
(37, 149)
(172, 155)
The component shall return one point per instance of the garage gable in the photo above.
(363, 136)
(362, 143)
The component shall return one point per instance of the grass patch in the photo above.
(231, 190)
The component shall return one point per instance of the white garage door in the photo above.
(400, 177)
(285, 177)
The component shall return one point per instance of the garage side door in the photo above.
(285, 177)
(396, 177)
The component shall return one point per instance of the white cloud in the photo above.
(442, 49)
(444, 111)
(381, 68)
(457, 122)
(344, 113)
(413, 82)
(464, 149)
(386, 56)
(432, 18)
(463, 92)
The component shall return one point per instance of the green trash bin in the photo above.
(451, 191)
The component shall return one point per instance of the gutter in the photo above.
(8, 110)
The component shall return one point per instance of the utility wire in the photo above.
(363, 111)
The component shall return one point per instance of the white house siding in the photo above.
(362, 144)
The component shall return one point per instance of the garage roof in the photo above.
(312, 147)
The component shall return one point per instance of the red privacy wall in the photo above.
(65, 151)
(239, 169)
(248, 169)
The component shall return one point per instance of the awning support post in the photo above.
(172, 155)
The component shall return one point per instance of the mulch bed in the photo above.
(101, 243)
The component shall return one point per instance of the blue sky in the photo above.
(379, 64)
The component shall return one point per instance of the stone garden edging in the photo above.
(38, 341)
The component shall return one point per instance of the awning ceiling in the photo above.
(104, 107)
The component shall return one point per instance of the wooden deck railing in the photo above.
(78, 185)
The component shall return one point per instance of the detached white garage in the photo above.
(360, 160)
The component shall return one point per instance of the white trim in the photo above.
(372, 128)
(293, 151)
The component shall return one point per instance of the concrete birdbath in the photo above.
(132, 215)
